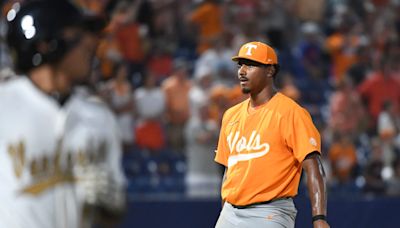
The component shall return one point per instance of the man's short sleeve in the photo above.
(222, 151)
(300, 134)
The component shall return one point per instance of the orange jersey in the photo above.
(263, 151)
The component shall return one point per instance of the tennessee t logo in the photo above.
(249, 48)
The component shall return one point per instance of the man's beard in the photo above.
(246, 90)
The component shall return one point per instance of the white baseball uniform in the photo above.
(92, 133)
(37, 188)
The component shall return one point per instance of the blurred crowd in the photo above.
(165, 69)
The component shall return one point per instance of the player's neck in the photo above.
(43, 78)
(261, 98)
(63, 86)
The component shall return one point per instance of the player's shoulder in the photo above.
(13, 84)
(234, 110)
(20, 90)
(23, 102)
(21, 85)
(286, 105)
(287, 101)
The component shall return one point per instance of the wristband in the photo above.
(318, 217)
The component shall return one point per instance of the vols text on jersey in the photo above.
(243, 149)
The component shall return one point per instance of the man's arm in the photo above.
(316, 187)
(222, 183)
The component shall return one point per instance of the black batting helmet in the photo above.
(35, 34)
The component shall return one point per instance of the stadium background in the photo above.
(164, 67)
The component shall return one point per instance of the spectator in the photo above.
(109, 52)
(217, 59)
(150, 107)
(347, 115)
(393, 183)
(149, 93)
(203, 174)
(362, 67)
(131, 37)
(311, 71)
(246, 33)
(199, 92)
(176, 89)
(343, 157)
(310, 55)
(289, 88)
(160, 63)
(208, 17)
(374, 183)
(381, 86)
(388, 125)
(344, 42)
(310, 10)
(119, 96)
(219, 101)
(202, 178)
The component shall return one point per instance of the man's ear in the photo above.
(270, 70)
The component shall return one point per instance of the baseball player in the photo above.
(265, 142)
(49, 39)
